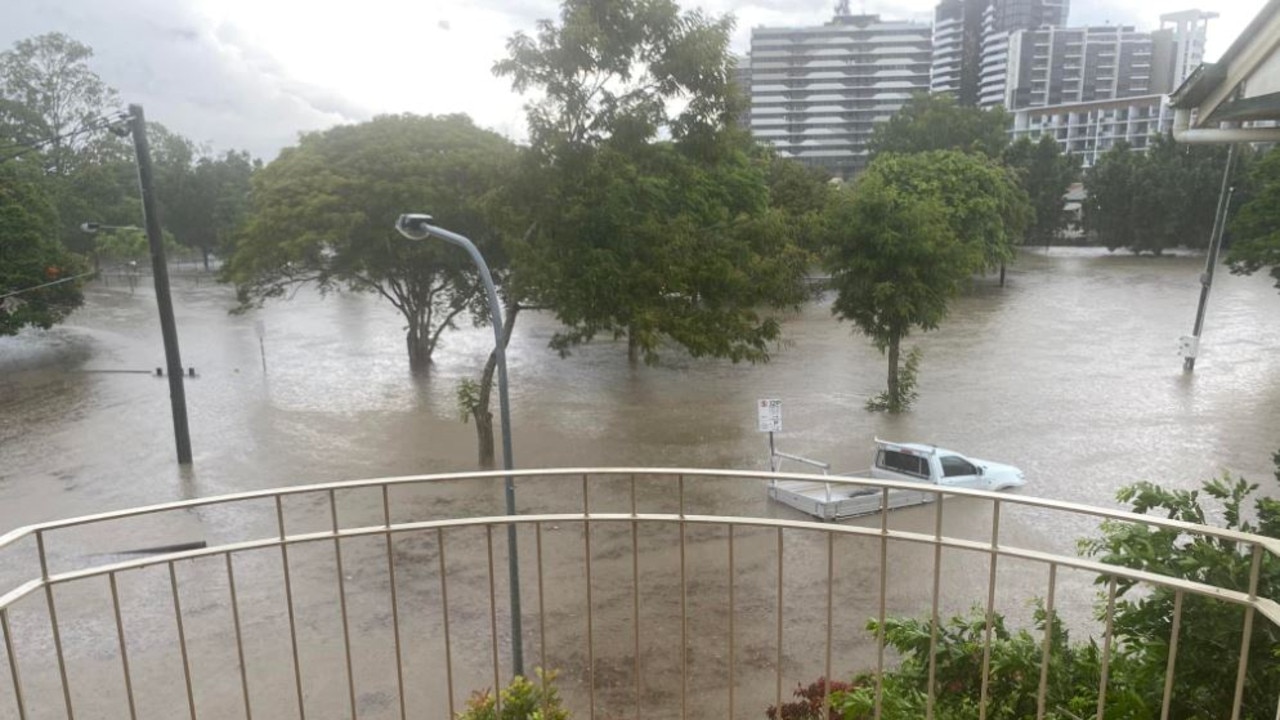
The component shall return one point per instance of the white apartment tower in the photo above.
(817, 92)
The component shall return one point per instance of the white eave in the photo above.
(1243, 86)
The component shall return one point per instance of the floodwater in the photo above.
(1070, 372)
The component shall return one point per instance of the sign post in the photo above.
(769, 419)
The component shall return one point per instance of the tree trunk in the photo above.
(484, 439)
(1001, 274)
(204, 252)
(418, 342)
(895, 402)
(633, 346)
(481, 412)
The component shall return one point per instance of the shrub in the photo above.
(521, 700)
(810, 701)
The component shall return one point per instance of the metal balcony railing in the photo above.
(380, 599)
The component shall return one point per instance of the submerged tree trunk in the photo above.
(895, 399)
(420, 344)
(1002, 274)
(481, 412)
(633, 346)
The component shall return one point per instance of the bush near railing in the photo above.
(1203, 685)
(523, 699)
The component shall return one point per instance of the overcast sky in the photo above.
(254, 73)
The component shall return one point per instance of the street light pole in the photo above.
(419, 227)
(1211, 261)
(160, 272)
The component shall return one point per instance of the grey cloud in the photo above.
(204, 81)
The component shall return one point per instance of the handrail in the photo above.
(1099, 568)
(44, 582)
(1272, 545)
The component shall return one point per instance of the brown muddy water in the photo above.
(1070, 372)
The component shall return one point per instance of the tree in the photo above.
(983, 202)
(895, 262)
(1046, 173)
(51, 96)
(30, 256)
(636, 237)
(936, 122)
(203, 198)
(1256, 229)
(802, 193)
(323, 212)
(1144, 615)
(1153, 201)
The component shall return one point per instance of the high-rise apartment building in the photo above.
(1056, 66)
(1093, 88)
(817, 92)
(968, 35)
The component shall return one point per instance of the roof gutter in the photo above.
(1183, 132)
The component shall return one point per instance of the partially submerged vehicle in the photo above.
(927, 465)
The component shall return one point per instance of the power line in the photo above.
(45, 285)
(28, 148)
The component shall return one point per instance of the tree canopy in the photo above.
(638, 236)
(1256, 229)
(895, 261)
(937, 122)
(1046, 173)
(324, 212)
(30, 256)
(50, 95)
(203, 197)
(983, 202)
(1154, 201)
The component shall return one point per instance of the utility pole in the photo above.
(160, 271)
(1211, 262)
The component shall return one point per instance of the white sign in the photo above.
(769, 415)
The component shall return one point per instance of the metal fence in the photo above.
(379, 598)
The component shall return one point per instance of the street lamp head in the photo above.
(90, 227)
(414, 226)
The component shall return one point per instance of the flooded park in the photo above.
(1070, 372)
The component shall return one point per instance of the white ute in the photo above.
(909, 462)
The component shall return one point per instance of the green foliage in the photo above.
(30, 256)
(937, 122)
(1046, 174)
(521, 700)
(204, 198)
(1152, 202)
(49, 90)
(802, 193)
(906, 394)
(908, 236)
(1211, 630)
(636, 237)
(609, 72)
(1210, 637)
(1016, 656)
(1256, 230)
(983, 201)
(323, 212)
(468, 396)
